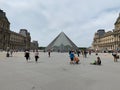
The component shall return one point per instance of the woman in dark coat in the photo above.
(27, 55)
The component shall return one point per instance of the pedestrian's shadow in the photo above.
(39, 62)
(35, 62)
(117, 61)
(31, 62)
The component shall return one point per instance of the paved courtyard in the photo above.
(55, 73)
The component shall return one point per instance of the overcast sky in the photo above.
(45, 19)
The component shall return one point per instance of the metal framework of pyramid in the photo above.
(61, 43)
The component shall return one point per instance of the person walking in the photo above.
(27, 55)
(78, 52)
(85, 53)
(11, 52)
(49, 51)
(36, 55)
(7, 54)
(115, 56)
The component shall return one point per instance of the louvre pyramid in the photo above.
(61, 43)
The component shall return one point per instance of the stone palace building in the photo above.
(10, 39)
(107, 41)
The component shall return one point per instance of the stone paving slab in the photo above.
(55, 73)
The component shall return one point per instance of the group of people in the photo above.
(75, 60)
(27, 55)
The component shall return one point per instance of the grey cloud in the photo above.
(45, 19)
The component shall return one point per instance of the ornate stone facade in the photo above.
(10, 39)
(34, 45)
(4, 31)
(18, 41)
(108, 40)
(27, 38)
